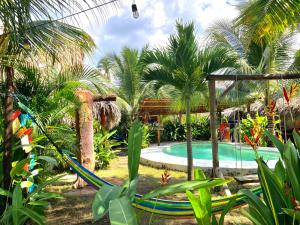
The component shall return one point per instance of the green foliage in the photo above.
(128, 68)
(202, 204)
(248, 123)
(201, 128)
(117, 200)
(280, 204)
(103, 147)
(24, 206)
(121, 212)
(183, 186)
(146, 135)
(174, 131)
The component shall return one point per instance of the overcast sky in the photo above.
(156, 22)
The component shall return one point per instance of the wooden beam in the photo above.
(213, 124)
(100, 98)
(254, 77)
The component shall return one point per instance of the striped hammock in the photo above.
(155, 205)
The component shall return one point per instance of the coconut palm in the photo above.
(105, 64)
(265, 57)
(264, 19)
(29, 30)
(128, 70)
(183, 65)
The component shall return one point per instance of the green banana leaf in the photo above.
(121, 212)
(134, 148)
(183, 186)
(103, 197)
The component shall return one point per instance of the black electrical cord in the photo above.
(65, 17)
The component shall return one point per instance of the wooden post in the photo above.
(213, 125)
(85, 131)
(158, 131)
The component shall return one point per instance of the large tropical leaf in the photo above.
(258, 212)
(292, 164)
(183, 186)
(134, 149)
(275, 141)
(296, 137)
(33, 215)
(200, 211)
(17, 202)
(121, 212)
(292, 213)
(103, 197)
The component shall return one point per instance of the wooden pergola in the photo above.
(156, 107)
(213, 102)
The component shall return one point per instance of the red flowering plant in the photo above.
(281, 189)
(252, 130)
(256, 134)
(165, 177)
(288, 95)
(271, 112)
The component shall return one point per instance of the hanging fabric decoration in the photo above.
(16, 125)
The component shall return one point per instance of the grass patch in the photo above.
(75, 209)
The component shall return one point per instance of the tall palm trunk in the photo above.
(189, 139)
(8, 131)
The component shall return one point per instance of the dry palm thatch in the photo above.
(107, 113)
(284, 108)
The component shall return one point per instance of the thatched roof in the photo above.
(108, 109)
(258, 106)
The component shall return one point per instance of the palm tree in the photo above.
(105, 64)
(264, 57)
(264, 19)
(184, 66)
(128, 70)
(30, 30)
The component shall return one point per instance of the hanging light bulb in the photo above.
(135, 12)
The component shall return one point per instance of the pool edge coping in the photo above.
(155, 157)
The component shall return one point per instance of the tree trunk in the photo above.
(189, 140)
(213, 125)
(271, 119)
(8, 131)
(86, 155)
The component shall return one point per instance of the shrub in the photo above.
(201, 129)
(174, 131)
(103, 145)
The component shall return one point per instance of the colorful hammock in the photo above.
(153, 205)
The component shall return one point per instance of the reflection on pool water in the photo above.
(226, 152)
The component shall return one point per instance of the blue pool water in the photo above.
(226, 152)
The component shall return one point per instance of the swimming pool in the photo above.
(233, 158)
(226, 152)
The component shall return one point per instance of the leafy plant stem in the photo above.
(266, 186)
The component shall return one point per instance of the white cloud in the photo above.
(155, 24)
